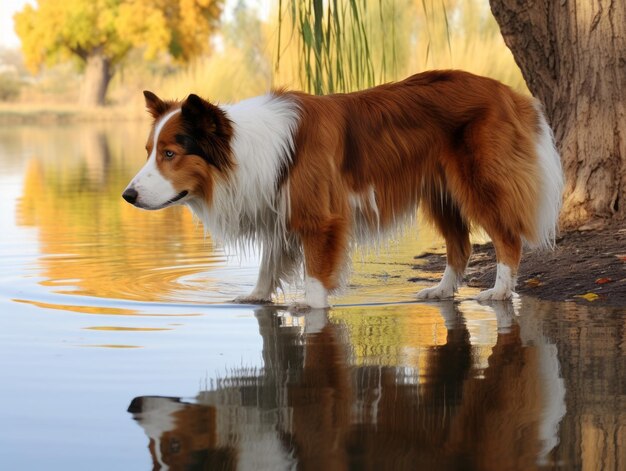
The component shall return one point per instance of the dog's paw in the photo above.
(251, 299)
(494, 294)
(436, 292)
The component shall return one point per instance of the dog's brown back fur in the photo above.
(461, 144)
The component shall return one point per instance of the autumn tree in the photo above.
(573, 57)
(99, 34)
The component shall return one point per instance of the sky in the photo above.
(8, 8)
(8, 39)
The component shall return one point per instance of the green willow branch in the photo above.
(334, 52)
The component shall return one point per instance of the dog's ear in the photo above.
(156, 107)
(202, 115)
(207, 130)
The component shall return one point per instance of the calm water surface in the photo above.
(119, 349)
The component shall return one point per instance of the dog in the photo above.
(304, 177)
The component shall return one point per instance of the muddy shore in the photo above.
(586, 267)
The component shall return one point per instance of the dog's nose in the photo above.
(136, 405)
(130, 195)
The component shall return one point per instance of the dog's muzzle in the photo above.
(130, 195)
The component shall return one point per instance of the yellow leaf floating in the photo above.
(588, 296)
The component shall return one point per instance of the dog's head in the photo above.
(182, 435)
(188, 147)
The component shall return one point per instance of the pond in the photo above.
(119, 348)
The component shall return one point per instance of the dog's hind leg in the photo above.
(450, 223)
(508, 254)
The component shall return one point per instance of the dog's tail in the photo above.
(550, 185)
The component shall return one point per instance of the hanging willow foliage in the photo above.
(334, 48)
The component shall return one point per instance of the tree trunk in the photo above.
(572, 54)
(98, 73)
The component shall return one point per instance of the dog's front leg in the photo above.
(315, 293)
(265, 284)
(262, 292)
(315, 296)
(324, 258)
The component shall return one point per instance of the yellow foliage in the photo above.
(53, 31)
(154, 22)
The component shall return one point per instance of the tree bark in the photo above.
(572, 54)
(98, 73)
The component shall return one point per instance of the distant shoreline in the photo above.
(20, 114)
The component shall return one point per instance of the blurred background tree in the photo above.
(99, 34)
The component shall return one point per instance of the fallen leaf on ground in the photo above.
(601, 281)
(533, 282)
(621, 257)
(588, 296)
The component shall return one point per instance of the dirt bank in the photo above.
(586, 266)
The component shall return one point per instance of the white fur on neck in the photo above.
(247, 206)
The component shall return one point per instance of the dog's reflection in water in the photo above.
(308, 408)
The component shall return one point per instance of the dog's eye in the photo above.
(169, 154)
(175, 445)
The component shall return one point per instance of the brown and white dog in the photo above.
(304, 176)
